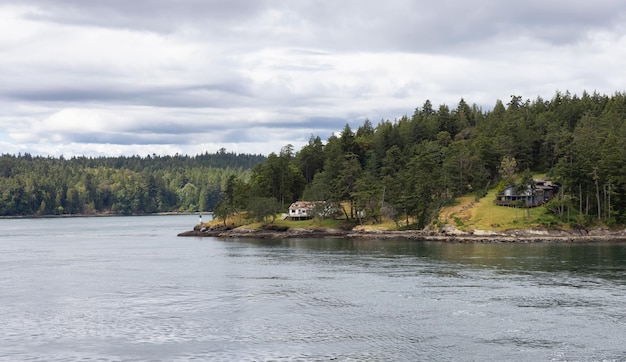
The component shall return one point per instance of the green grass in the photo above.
(488, 216)
(310, 224)
(303, 224)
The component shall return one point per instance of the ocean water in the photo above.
(128, 289)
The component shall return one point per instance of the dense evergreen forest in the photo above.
(34, 185)
(408, 168)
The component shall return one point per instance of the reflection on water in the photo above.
(128, 289)
(605, 260)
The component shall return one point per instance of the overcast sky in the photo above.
(137, 77)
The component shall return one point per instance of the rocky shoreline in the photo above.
(448, 235)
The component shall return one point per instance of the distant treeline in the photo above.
(35, 185)
(406, 169)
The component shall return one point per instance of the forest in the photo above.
(35, 185)
(408, 168)
(404, 169)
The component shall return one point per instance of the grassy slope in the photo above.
(467, 214)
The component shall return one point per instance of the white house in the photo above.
(302, 209)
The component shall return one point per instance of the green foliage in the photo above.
(119, 185)
(264, 208)
(508, 170)
(278, 178)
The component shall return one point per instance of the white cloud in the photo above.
(139, 77)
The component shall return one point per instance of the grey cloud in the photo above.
(125, 138)
(149, 15)
(251, 131)
(313, 122)
(68, 95)
(322, 123)
(191, 96)
(401, 25)
(419, 26)
(237, 136)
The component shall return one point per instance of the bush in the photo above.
(262, 208)
(480, 194)
(458, 222)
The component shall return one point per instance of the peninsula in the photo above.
(464, 221)
(550, 167)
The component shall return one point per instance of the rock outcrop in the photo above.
(452, 235)
(243, 232)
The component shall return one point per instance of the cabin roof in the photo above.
(304, 205)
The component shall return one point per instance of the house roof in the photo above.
(544, 185)
(539, 185)
(304, 205)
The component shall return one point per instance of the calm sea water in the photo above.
(128, 289)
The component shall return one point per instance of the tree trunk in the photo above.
(351, 209)
(406, 212)
(580, 198)
(345, 213)
(561, 207)
(597, 195)
(608, 214)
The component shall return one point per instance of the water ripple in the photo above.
(129, 294)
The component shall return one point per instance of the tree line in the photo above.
(406, 169)
(36, 185)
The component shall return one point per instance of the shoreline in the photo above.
(456, 236)
(62, 216)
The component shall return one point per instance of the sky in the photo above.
(143, 77)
